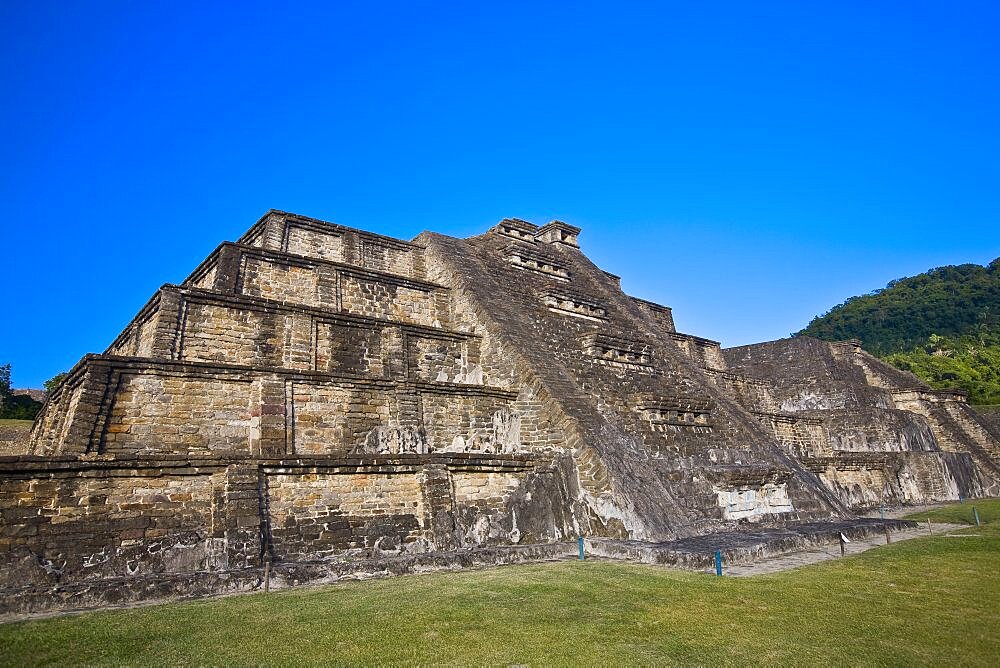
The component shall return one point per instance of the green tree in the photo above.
(5, 395)
(52, 383)
(942, 325)
(948, 301)
(15, 406)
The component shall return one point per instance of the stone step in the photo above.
(742, 547)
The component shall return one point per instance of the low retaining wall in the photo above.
(17, 603)
(696, 553)
(741, 547)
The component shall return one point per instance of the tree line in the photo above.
(21, 406)
(942, 325)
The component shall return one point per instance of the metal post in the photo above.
(928, 525)
(975, 512)
(579, 543)
(267, 575)
(888, 538)
(843, 545)
(718, 562)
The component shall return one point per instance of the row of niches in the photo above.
(662, 419)
(515, 228)
(574, 305)
(554, 232)
(677, 414)
(528, 260)
(617, 351)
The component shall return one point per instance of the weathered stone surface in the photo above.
(889, 439)
(742, 547)
(317, 402)
(989, 416)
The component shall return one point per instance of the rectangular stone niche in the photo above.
(515, 228)
(575, 305)
(523, 258)
(751, 492)
(684, 413)
(753, 502)
(558, 232)
(616, 351)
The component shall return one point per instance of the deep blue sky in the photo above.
(750, 164)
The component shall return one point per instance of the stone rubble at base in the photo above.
(334, 403)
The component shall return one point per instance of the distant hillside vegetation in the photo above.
(942, 325)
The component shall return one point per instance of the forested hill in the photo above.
(947, 301)
(942, 325)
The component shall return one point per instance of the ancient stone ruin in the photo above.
(317, 402)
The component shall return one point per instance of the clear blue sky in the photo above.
(750, 164)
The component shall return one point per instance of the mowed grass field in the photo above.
(11, 428)
(933, 600)
(14, 436)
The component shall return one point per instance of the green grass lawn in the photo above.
(961, 513)
(933, 600)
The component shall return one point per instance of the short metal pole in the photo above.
(888, 537)
(928, 525)
(718, 562)
(843, 545)
(579, 544)
(267, 576)
(975, 512)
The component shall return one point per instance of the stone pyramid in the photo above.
(315, 394)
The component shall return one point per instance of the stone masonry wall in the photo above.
(287, 281)
(346, 347)
(155, 414)
(335, 419)
(299, 235)
(63, 529)
(232, 335)
(88, 530)
(315, 516)
(385, 301)
(455, 425)
(300, 240)
(990, 417)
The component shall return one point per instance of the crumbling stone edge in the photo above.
(19, 603)
(740, 548)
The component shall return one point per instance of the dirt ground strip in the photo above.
(804, 558)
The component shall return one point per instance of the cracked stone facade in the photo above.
(315, 397)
